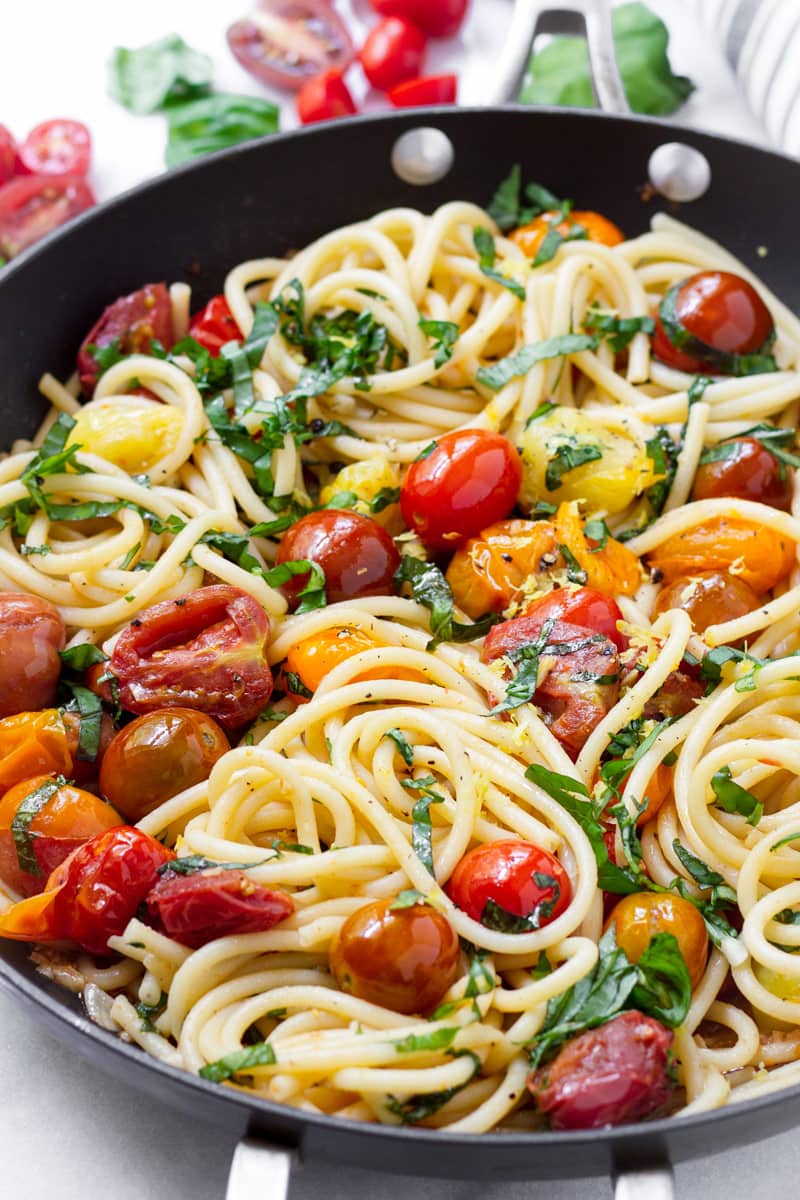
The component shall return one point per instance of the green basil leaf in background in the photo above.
(559, 74)
(214, 122)
(161, 73)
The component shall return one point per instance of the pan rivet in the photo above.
(679, 172)
(422, 156)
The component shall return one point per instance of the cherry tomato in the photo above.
(196, 909)
(598, 228)
(518, 877)
(437, 18)
(431, 89)
(466, 480)
(214, 326)
(136, 320)
(58, 147)
(8, 155)
(581, 606)
(64, 817)
(35, 205)
(393, 51)
(607, 1076)
(749, 472)
(31, 634)
(709, 597)
(85, 768)
(33, 743)
(314, 657)
(285, 43)
(356, 554)
(656, 791)
(157, 756)
(403, 959)
(92, 895)
(323, 98)
(763, 557)
(677, 696)
(639, 917)
(716, 311)
(670, 355)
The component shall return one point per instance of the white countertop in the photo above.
(67, 1131)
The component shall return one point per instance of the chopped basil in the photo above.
(567, 457)
(149, 1013)
(164, 72)
(107, 356)
(383, 498)
(575, 572)
(619, 332)
(426, 451)
(487, 256)
(298, 688)
(259, 1055)
(27, 809)
(90, 712)
(444, 335)
(424, 1104)
(192, 863)
(770, 437)
(430, 588)
(494, 916)
(697, 388)
(407, 899)
(554, 239)
(596, 530)
(78, 658)
(214, 122)
(312, 595)
(291, 847)
(480, 977)
(506, 369)
(401, 742)
(507, 208)
(421, 825)
(735, 799)
(543, 967)
(522, 687)
(415, 1043)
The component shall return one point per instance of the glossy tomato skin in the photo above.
(356, 554)
(69, 818)
(430, 89)
(403, 959)
(33, 743)
(32, 632)
(582, 606)
(195, 909)
(749, 472)
(205, 651)
(670, 355)
(719, 310)
(643, 915)
(157, 756)
(286, 43)
(83, 769)
(762, 556)
(8, 155)
(34, 205)
(709, 597)
(437, 18)
(57, 147)
(393, 51)
(214, 326)
(607, 1076)
(598, 228)
(504, 872)
(136, 320)
(323, 98)
(469, 480)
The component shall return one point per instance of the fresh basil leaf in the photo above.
(424, 1104)
(430, 588)
(296, 685)
(596, 530)
(480, 977)
(543, 967)
(735, 799)
(259, 1055)
(90, 712)
(79, 658)
(404, 747)
(503, 208)
(526, 659)
(664, 990)
(214, 122)
(554, 239)
(415, 1043)
(421, 825)
(494, 916)
(107, 356)
(163, 72)
(190, 864)
(506, 369)
(312, 594)
(697, 388)
(487, 255)
(29, 807)
(618, 331)
(444, 335)
(383, 498)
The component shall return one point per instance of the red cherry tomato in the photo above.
(431, 89)
(93, 894)
(195, 909)
(58, 147)
(437, 18)
(393, 51)
(719, 310)
(469, 480)
(323, 98)
(581, 606)
(285, 43)
(34, 206)
(355, 552)
(670, 355)
(31, 634)
(206, 651)
(519, 877)
(135, 320)
(747, 472)
(8, 155)
(214, 325)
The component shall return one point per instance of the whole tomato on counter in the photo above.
(393, 51)
(437, 18)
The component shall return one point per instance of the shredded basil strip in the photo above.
(444, 335)
(424, 1104)
(506, 369)
(735, 799)
(78, 658)
(403, 745)
(618, 331)
(487, 256)
(28, 808)
(192, 863)
(429, 587)
(494, 916)
(416, 1043)
(259, 1055)
(90, 712)
(512, 205)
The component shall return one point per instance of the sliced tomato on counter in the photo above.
(32, 632)
(286, 43)
(356, 553)
(34, 205)
(57, 147)
(509, 885)
(324, 98)
(134, 322)
(8, 155)
(714, 321)
(195, 909)
(581, 606)
(214, 326)
(429, 89)
(393, 51)
(437, 18)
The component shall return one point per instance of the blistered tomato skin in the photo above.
(195, 909)
(437, 18)
(611, 1075)
(403, 959)
(760, 555)
(582, 606)
(709, 597)
(355, 552)
(505, 872)
(136, 320)
(749, 472)
(31, 634)
(643, 915)
(469, 480)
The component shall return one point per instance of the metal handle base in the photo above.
(259, 1172)
(650, 1183)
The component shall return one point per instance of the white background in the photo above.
(65, 1131)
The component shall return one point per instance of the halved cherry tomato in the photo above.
(8, 155)
(196, 909)
(285, 43)
(355, 552)
(709, 597)
(464, 481)
(393, 51)
(748, 472)
(430, 89)
(437, 18)
(761, 556)
(205, 651)
(598, 229)
(714, 312)
(517, 877)
(35, 205)
(403, 959)
(135, 320)
(31, 634)
(581, 606)
(92, 895)
(323, 98)
(639, 917)
(32, 743)
(63, 818)
(214, 326)
(58, 147)
(315, 657)
(157, 756)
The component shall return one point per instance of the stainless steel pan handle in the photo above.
(259, 1172)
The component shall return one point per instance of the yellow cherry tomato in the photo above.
(367, 480)
(132, 432)
(639, 917)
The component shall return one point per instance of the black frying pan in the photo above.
(267, 198)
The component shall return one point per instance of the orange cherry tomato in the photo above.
(33, 743)
(709, 598)
(404, 959)
(314, 657)
(761, 556)
(63, 818)
(598, 228)
(639, 917)
(658, 788)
